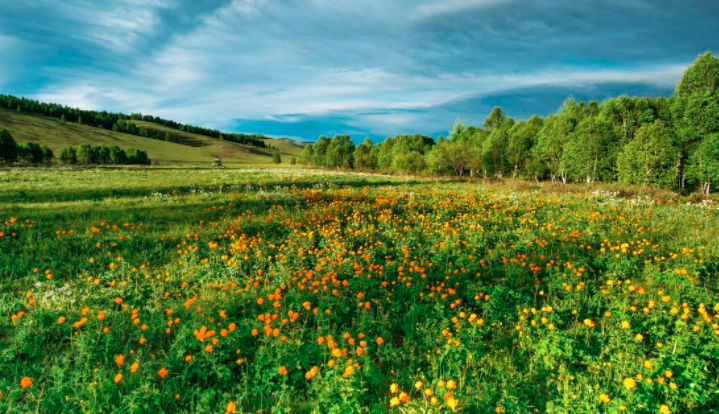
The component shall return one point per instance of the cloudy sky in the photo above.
(374, 68)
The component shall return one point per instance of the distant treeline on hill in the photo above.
(665, 142)
(120, 122)
(85, 154)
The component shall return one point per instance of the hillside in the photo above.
(190, 148)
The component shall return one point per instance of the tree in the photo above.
(30, 153)
(117, 155)
(137, 157)
(293, 161)
(522, 137)
(704, 163)
(84, 154)
(47, 155)
(702, 77)
(319, 155)
(104, 155)
(276, 158)
(8, 147)
(695, 110)
(68, 155)
(457, 130)
(364, 157)
(340, 152)
(495, 118)
(552, 139)
(307, 155)
(590, 154)
(494, 158)
(651, 158)
(454, 156)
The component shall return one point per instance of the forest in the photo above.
(664, 142)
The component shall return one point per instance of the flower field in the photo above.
(257, 291)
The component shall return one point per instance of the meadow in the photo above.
(189, 290)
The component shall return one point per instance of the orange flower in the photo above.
(162, 372)
(282, 370)
(117, 378)
(231, 407)
(379, 340)
(61, 320)
(134, 367)
(311, 373)
(119, 360)
(451, 384)
(403, 397)
(25, 382)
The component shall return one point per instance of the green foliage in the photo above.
(276, 159)
(340, 152)
(87, 154)
(8, 147)
(651, 158)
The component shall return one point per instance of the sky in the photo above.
(368, 68)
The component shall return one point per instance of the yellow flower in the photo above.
(394, 402)
(394, 388)
(664, 409)
(418, 385)
(604, 398)
(452, 402)
(629, 383)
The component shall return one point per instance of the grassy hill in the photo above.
(190, 148)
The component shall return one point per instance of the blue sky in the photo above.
(373, 68)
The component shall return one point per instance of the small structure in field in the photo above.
(217, 163)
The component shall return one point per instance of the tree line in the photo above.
(27, 153)
(87, 154)
(122, 123)
(666, 142)
(32, 153)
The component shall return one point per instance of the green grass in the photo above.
(191, 150)
(349, 293)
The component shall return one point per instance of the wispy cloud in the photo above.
(433, 9)
(367, 66)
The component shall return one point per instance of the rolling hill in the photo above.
(189, 149)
